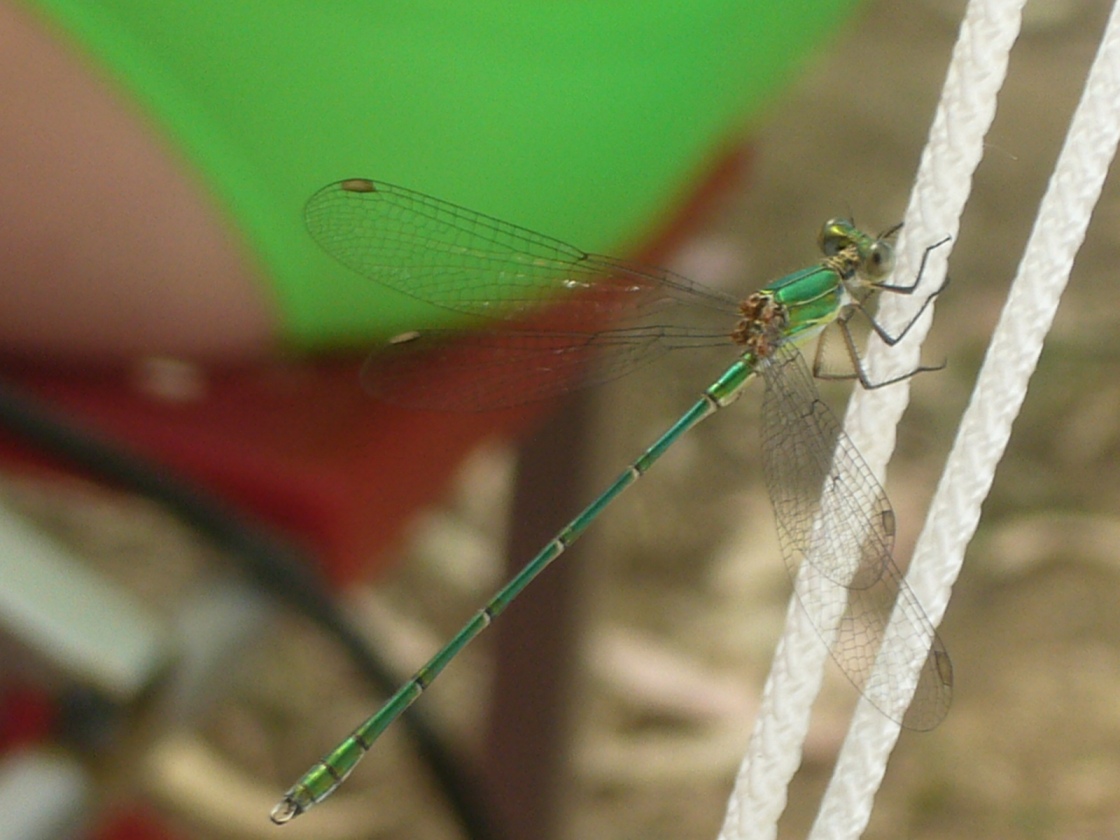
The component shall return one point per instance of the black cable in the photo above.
(273, 563)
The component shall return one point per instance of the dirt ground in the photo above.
(685, 591)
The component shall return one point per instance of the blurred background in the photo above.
(678, 596)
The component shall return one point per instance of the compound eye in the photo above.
(880, 260)
(835, 236)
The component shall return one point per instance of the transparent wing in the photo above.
(832, 511)
(540, 309)
(827, 502)
(452, 370)
(477, 265)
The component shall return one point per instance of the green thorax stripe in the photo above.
(812, 298)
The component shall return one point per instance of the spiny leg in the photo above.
(842, 323)
(892, 339)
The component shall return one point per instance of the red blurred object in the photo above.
(26, 716)
(300, 446)
(137, 823)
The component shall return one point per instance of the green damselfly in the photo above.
(536, 311)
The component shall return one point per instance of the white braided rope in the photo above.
(964, 114)
(1058, 232)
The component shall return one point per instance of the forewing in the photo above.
(474, 264)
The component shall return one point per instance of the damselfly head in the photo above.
(873, 256)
